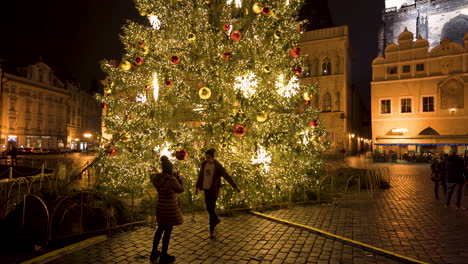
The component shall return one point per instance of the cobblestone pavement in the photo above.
(405, 219)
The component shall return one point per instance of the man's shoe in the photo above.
(166, 259)
(155, 255)
(217, 222)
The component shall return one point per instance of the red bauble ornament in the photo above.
(307, 102)
(266, 10)
(297, 70)
(147, 87)
(168, 83)
(141, 43)
(175, 59)
(226, 55)
(226, 27)
(112, 151)
(103, 105)
(239, 130)
(236, 35)
(131, 44)
(296, 52)
(181, 154)
(313, 123)
(139, 60)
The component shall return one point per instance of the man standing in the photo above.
(209, 180)
(454, 168)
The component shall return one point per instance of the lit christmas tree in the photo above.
(212, 74)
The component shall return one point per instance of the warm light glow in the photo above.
(352, 135)
(237, 2)
(399, 130)
(246, 84)
(288, 90)
(453, 110)
(155, 86)
(262, 158)
(141, 98)
(77, 139)
(87, 135)
(155, 22)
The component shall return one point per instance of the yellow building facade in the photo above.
(328, 54)
(39, 111)
(419, 96)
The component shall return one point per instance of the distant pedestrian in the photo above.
(209, 180)
(454, 168)
(14, 154)
(438, 175)
(168, 214)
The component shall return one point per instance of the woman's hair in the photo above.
(211, 152)
(166, 164)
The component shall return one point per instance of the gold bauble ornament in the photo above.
(143, 13)
(191, 37)
(145, 50)
(306, 96)
(262, 116)
(108, 90)
(204, 93)
(266, 69)
(277, 34)
(125, 65)
(257, 8)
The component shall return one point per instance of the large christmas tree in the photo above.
(212, 74)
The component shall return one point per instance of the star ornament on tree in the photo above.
(287, 90)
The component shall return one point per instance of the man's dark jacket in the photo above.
(454, 168)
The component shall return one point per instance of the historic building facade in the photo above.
(328, 54)
(433, 20)
(40, 111)
(419, 96)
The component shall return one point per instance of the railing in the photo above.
(23, 193)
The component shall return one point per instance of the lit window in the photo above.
(406, 105)
(428, 104)
(385, 106)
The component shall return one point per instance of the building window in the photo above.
(385, 106)
(28, 107)
(406, 105)
(39, 124)
(12, 122)
(406, 68)
(326, 67)
(12, 105)
(316, 102)
(13, 89)
(39, 108)
(428, 104)
(392, 70)
(420, 67)
(26, 125)
(327, 103)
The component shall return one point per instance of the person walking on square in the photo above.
(438, 175)
(209, 180)
(168, 214)
(454, 168)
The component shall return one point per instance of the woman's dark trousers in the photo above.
(167, 230)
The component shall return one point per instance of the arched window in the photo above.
(327, 106)
(338, 102)
(326, 67)
(316, 101)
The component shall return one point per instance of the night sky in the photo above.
(72, 36)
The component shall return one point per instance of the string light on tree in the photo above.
(222, 75)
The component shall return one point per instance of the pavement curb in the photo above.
(377, 250)
(53, 255)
